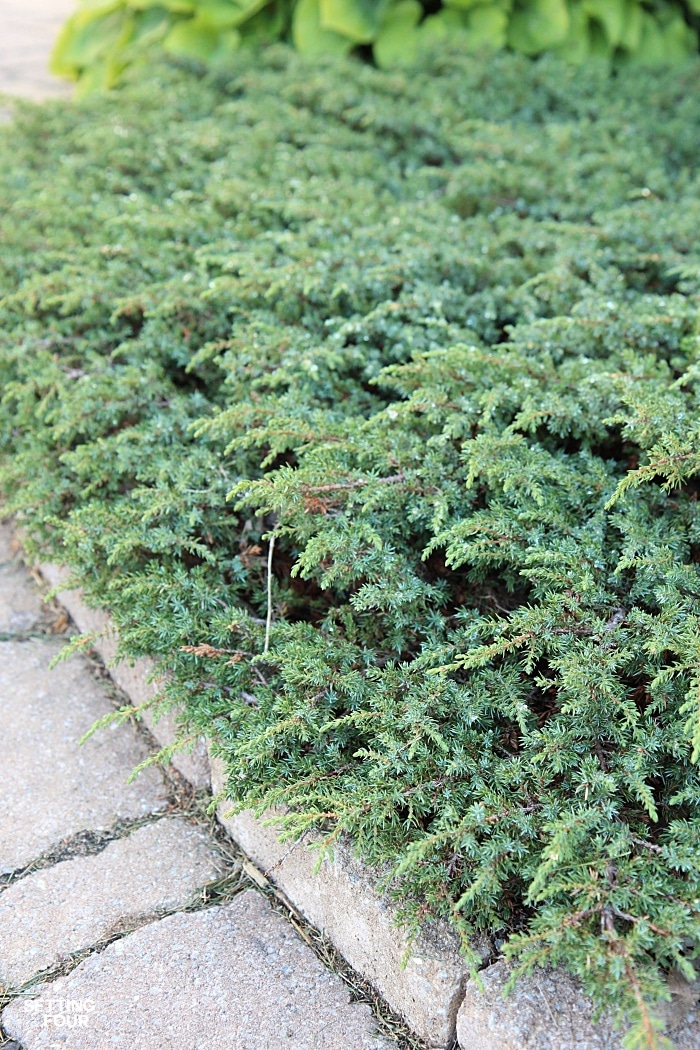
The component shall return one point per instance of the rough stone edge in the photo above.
(340, 899)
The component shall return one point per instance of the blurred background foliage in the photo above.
(103, 37)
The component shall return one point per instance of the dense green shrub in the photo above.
(436, 335)
(104, 36)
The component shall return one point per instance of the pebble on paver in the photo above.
(20, 605)
(57, 911)
(51, 787)
(235, 977)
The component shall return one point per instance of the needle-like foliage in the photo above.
(437, 335)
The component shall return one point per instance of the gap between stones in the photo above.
(185, 802)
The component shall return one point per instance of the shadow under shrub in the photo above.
(436, 335)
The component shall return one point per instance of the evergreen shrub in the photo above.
(428, 344)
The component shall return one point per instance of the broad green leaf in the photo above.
(539, 25)
(264, 23)
(660, 45)
(465, 5)
(577, 46)
(181, 7)
(310, 37)
(359, 20)
(681, 40)
(632, 29)
(612, 15)
(445, 25)
(219, 14)
(150, 25)
(97, 78)
(398, 41)
(229, 42)
(192, 39)
(86, 37)
(487, 27)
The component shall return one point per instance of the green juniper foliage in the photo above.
(436, 335)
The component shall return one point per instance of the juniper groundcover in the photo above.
(428, 343)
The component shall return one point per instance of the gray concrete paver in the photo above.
(60, 910)
(28, 31)
(235, 977)
(20, 605)
(547, 1010)
(50, 788)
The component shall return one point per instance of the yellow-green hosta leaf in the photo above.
(180, 7)
(86, 36)
(359, 20)
(310, 37)
(661, 44)
(219, 14)
(447, 24)
(398, 41)
(600, 46)
(150, 25)
(632, 30)
(229, 42)
(264, 23)
(100, 76)
(577, 46)
(192, 39)
(487, 28)
(612, 15)
(681, 40)
(538, 25)
(465, 5)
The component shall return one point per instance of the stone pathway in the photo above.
(28, 29)
(123, 921)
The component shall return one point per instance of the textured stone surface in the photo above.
(59, 910)
(28, 29)
(548, 1011)
(229, 978)
(134, 679)
(341, 900)
(51, 787)
(20, 605)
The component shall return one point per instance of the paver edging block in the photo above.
(340, 899)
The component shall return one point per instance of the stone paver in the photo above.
(60, 910)
(20, 605)
(235, 977)
(28, 30)
(50, 787)
(548, 1011)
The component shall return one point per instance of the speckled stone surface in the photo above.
(28, 29)
(59, 910)
(548, 1011)
(51, 787)
(235, 977)
(20, 606)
